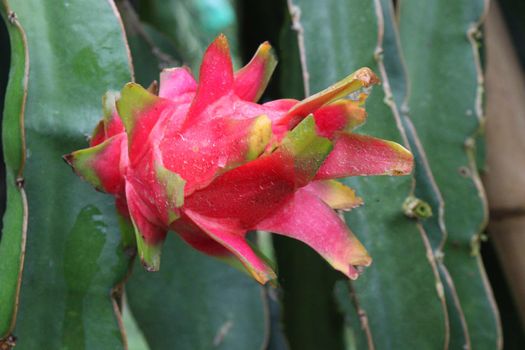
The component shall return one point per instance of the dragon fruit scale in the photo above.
(208, 162)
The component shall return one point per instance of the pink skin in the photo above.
(360, 155)
(251, 80)
(334, 194)
(201, 134)
(104, 165)
(306, 218)
(175, 83)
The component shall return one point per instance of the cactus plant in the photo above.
(69, 262)
(13, 238)
(454, 165)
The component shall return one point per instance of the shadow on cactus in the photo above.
(208, 162)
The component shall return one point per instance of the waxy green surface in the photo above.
(445, 107)
(196, 302)
(338, 39)
(12, 242)
(399, 248)
(74, 253)
(425, 186)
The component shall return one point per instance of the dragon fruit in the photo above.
(208, 162)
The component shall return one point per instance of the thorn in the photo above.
(20, 182)
(154, 88)
(223, 331)
(464, 171)
(68, 158)
(11, 16)
(149, 267)
(8, 342)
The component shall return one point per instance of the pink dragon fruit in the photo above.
(208, 162)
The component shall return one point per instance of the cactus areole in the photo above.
(208, 162)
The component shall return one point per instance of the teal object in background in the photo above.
(215, 15)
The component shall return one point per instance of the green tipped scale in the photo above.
(308, 149)
(362, 78)
(173, 188)
(265, 56)
(82, 162)
(149, 253)
(259, 136)
(134, 100)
